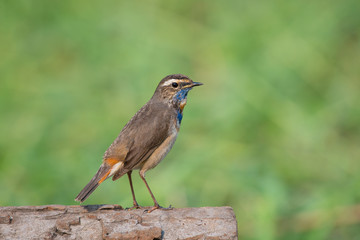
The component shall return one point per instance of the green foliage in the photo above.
(274, 132)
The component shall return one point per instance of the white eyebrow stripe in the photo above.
(170, 81)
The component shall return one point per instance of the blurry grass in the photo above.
(274, 132)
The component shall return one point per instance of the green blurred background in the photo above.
(274, 132)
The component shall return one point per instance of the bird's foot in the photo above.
(135, 206)
(157, 206)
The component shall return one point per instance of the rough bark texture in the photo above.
(112, 222)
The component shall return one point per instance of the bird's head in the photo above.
(174, 89)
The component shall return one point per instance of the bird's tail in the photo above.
(106, 170)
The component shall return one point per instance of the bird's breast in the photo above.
(182, 104)
(178, 119)
(180, 112)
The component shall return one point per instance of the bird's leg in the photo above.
(136, 205)
(156, 205)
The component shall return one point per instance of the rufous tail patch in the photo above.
(105, 176)
(111, 161)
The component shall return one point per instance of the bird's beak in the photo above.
(194, 84)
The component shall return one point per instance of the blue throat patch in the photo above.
(179, 116)
(179, 97)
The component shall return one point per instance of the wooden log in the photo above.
(113, 222)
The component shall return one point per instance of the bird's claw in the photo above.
(136, 206)
(158, 207)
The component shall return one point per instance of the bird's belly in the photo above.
(160, 152)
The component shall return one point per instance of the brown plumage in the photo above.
(147, 137)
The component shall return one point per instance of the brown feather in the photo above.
(142, 135)
(94, 183)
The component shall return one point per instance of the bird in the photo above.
(147, 138)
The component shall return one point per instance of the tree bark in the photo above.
(113, 222)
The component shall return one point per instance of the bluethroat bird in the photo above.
(146, 138)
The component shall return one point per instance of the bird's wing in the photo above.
(141, 136)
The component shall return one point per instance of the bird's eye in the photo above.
(174, 84)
